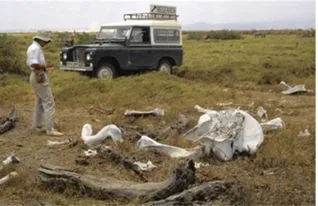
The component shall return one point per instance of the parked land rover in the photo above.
(144, 41)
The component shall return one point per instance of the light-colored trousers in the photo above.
(44, 102)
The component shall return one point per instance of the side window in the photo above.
(166, 36)
(140, 35)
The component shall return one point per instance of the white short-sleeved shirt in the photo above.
(35, 55)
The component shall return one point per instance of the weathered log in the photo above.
(221, 191)
(63, 180)
(9, 122)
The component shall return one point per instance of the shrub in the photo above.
(10, 59)
(84, 38)
(196, 35)
(215, 34)
(223, 35)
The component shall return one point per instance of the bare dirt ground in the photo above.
(281, 173)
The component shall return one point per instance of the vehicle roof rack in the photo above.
(150, 16)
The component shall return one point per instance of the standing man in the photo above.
(44, 101)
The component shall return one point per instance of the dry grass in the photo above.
(241, 71)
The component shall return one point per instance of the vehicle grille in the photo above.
(79, 54)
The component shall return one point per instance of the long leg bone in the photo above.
(155, 112)
(175, 152)
(300, 88)
(53, 143)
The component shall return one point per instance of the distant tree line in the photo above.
(239, 34)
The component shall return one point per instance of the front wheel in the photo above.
(106, 71)
(165, 66)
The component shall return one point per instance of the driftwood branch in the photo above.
(221, 191)
(63, 180)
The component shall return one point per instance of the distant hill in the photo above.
(297, 24)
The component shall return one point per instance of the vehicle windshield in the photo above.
(109, 33)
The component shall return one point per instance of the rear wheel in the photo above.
(106, 71)
(165, 66)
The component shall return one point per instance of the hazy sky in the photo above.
(27, 15)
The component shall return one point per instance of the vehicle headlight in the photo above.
(64, 56)
(88, 57)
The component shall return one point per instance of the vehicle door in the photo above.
(139, 48)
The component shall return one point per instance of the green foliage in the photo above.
(217, 34)
(195, 35)
(85, 38)
(223, 35)
(10, 61)
(257, 60)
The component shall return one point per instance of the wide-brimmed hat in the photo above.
(43, 35)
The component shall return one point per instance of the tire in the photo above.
(165, 66)
(106, 71)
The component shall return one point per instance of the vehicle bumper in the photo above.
(76, 68)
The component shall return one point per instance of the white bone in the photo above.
(240, 130)
(262, 113)
(293, 90)
(90, 153)
(108, 131)
(8, 177)
(156, 111)
(251, 137)
(285, 85)
(147, 143)
(304, 133)
(11, 160)
(197, 165)
(145, 166)
(273, 124)
(53, 143)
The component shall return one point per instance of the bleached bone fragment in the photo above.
(155, 112)
(90, 153)
(226, 104)
(145, 166)
(8, 177)
(108, 131)
(197, 165)
(285, 85)
(12, 159)
(300, 88)
(273, 124)
(51, 143)
(304, 133)
(147, 143)
(262, 113)
(251, 137)
(224, 150)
